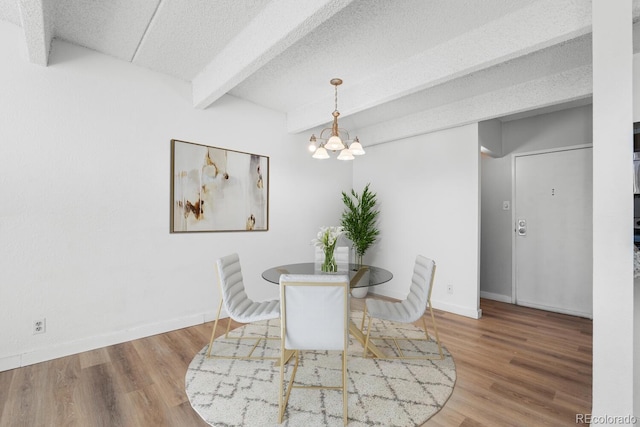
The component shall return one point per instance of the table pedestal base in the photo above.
(357, 334)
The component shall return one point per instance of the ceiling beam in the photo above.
(263, 39)
(564, 87)
(542, 24)
(37, 23)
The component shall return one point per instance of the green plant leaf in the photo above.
(359, 219)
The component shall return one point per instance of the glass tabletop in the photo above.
(377, 275)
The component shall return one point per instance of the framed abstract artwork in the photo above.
(216, 189)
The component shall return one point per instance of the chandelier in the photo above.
(338, 139)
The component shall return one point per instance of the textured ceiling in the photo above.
(409, 66)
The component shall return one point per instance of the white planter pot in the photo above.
(362, 291)
(359, 292)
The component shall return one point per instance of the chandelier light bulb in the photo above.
(312, 144)
(356, 148)
(345, 154)
(334, 143)
(320, 153)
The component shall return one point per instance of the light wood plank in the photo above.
(515, 366)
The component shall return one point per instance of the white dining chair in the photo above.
(238, 304)
(314, 315)
(407, 311)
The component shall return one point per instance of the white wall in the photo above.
(613, 308)
(636, 347)
(84, 201)
(428, 190)
(636, 287)
(546, 131)
(490, 137)
(496, 229)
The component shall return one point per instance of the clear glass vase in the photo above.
(329, 264)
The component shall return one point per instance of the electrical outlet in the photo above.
(40, 326)
(449, 289)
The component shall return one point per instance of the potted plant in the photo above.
(359, 220)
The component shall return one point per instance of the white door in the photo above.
(553, 231)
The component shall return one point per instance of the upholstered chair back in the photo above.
(420, 291)
(238, 305)
(314, 311)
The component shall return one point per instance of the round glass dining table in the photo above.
(357, 276)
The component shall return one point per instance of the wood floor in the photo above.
(516, 367)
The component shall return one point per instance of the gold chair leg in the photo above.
(280, 389)
(215, 326)
(424, 326)
(283, 403)
(366, 340)
(435, 331)
(344, 388)
(226, 334)
(369, 339)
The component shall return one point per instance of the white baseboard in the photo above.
(457, 309)
(9, 362)
(555, 309)
(495, 297)
(91, 343)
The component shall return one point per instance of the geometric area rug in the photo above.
(235, 392)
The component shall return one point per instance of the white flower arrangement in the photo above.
(327, 237)
(326, 240)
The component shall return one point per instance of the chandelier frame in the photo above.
(335, 142)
